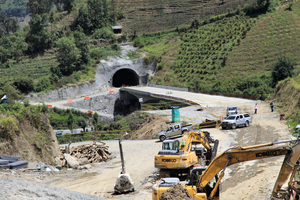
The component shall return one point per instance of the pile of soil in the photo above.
(149, 129)
(176, 192)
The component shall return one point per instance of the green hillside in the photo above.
(235, 55)
(230, 53)
(145, 16)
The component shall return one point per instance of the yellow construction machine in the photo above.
(204, 181)
(178, 157)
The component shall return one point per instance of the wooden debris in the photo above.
(93, 152)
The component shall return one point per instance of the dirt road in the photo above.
(249, 180)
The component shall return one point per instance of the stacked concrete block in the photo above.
(12, 162)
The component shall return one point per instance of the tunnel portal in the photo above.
(125, 77)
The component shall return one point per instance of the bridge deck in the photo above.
(203, 100)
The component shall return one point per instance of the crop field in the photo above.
(275, 35)
(32, 68)
(145, 16)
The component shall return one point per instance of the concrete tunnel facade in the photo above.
(126, 77)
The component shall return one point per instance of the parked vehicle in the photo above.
(174, 130)
(232, 110)
(234, 121)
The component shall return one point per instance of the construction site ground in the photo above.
(249, 180)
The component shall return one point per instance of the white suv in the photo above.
(234, 121)
(232, 110)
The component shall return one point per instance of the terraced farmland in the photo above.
(145, 16)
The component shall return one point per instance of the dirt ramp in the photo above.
(176, 192)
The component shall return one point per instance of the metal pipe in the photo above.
(122, 158)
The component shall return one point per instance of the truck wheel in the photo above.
(183, 132)
(233, 126)
(246, 124)
(223, 127)
(162, 138)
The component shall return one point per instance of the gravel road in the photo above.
(248, 180)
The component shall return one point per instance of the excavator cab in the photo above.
(195, 173)
(169, 147)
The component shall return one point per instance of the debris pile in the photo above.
(12, 162)
(176, 192)
(86, 153)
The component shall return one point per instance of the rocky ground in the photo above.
(249, 180)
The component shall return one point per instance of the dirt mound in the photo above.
(176, 192)
(149, 129)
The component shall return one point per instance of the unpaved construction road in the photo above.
(249, 180)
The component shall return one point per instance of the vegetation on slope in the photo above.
(25, 131)
(202, 56)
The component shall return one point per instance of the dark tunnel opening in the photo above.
(125, 77)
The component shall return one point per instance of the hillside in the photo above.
(26, 132)
(287, 100)
(235, 55)
(229, 53)
(144, 16)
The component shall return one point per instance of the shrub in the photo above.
(139, 42)
(17, 106)
(282, 69)
(8, 126)
(26, 102)
(103, 33)
(25, 85)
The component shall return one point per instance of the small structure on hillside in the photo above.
(117, 29)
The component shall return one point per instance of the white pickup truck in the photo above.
(174, 130)
(237, 120)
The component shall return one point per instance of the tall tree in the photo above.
(66, 55)
(82, 43)
(95, 120)
(82, 123)
(39, 37)
(99, 13)
(83, 20)
(70, 122)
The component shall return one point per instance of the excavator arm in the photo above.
(192, 136)
(242, 154)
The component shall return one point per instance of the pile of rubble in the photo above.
(84, 154)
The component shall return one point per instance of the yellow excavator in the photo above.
(204, 181)
(179, 157)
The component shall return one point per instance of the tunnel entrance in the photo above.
(125, 77)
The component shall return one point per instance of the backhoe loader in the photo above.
(178, 157)
(204, 181)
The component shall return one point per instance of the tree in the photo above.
(11, 92)
(39, 37)
(68, 5)
(19, 46)
(83, 20)
(24, 84)
(39, 7)
(5, 48)
(95, 120)
(82, 43)
(98, 11)
(82, 123)
(8, 24)
(66, 55)
(70, 122)
(282, 69)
